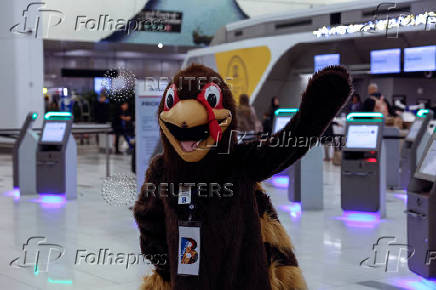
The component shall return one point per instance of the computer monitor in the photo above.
(280, 123)
(53, 132)
(427, 168)
(421, 58)
(364, 137)
(323, 60)
(386, 61)
(414, 130)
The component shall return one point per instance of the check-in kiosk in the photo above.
(414, 145)
(363, 172)
(306, 175)
(421, 214)
(24, 157)
(57, 156)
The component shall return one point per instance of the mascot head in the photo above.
(196, 114)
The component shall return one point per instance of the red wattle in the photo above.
(214, 128)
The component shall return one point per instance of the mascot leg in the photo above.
(284, 273)
(155, 282)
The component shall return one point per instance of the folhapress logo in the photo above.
(389, 254)
(37, 254)
(31, 22)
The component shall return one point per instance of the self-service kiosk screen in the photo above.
(414, 130)
(280, 123)
(362, 136)
(54, 131)
(428, 166)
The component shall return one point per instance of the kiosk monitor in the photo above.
(420, 58)
(362, 137)
(386, 61)
(53, 132)
(323, 60)
(280, 122)
(427, 169)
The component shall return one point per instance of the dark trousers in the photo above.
(126, 136)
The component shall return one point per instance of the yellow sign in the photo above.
(242, 68)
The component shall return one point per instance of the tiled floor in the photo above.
(329, 247)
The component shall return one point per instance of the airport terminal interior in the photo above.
(225, 144)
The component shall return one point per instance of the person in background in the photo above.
(356, 104)
(122, 124)
(101, 109)
(268, 117)
(46, 103)
(372, 89)
(246, 116)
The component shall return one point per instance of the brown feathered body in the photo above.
(243, 244)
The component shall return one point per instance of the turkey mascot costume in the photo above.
(202, 207)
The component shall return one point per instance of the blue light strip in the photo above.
(60, 281)
(362, 115)
(422, 113)
(286, 112)
(58, 115)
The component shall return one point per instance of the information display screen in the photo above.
(323, 60)
(428, 166)
(420, 59)
(280, 123)
(414, 130)
(53, 132)
(362, 136)
(386, 61)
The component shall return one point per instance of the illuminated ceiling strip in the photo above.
(382, 25)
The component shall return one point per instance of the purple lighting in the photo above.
(294, 209)
(401, 196)
(360, 219)
(417, 283)
(280, 181)
(15, 193)
(50, 200)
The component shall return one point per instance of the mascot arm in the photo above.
(326, 93)
(150, 218)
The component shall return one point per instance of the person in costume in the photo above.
(206, 187)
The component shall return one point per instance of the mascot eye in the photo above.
(212, 95)
(170, 97)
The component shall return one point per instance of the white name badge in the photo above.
(184, 194)
(189, 249)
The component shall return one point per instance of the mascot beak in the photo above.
(191, 127)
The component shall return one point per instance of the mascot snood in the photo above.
(202, 206)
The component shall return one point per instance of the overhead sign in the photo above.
(160, 20)
(323, 60)
(420, 58)
(386, 61)
(427, 19)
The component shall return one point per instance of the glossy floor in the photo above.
(329, 245)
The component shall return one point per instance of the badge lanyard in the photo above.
(189, 237)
